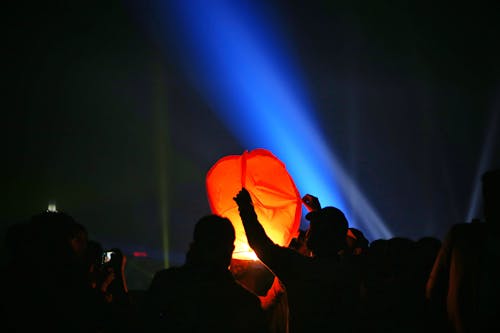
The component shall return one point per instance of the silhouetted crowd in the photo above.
(330, 278)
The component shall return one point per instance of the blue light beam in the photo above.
(236, 60)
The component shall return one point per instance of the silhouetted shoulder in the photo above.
(167, 278)
(167, 273)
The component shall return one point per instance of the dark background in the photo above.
(99, 118)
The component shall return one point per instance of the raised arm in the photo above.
(256, 235)
(282, 261)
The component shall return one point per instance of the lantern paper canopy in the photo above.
(276, 199)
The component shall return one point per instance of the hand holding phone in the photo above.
(107, 256)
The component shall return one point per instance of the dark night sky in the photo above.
(94, 112)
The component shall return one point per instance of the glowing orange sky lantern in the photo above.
(276, 199)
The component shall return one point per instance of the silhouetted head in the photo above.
(491, 196)
(213, 241)
(327, 231)
(58, 234)
(426, 250)
(430, 242)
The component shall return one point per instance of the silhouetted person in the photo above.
(114, 269)
(17, 278)
(425, 253)
(390, 296)
(55, 294)
(93, 261)
(202, 295)
(421, 260)
(322, 291)
(463, 290)
(107, 280)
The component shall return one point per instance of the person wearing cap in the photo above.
(322, 289)
(463, 291)
(356, 242)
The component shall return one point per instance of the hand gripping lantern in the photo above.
(276, 199)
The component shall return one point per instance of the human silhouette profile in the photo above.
(462, 291)
(322, 289)
(202, 295)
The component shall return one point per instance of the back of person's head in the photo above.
(327, 231)
(426, 251)
(213, 241)
(58, 237)
(491, 196)
(378, 248)
(430, 243)
(52, 229)
(399, 250)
